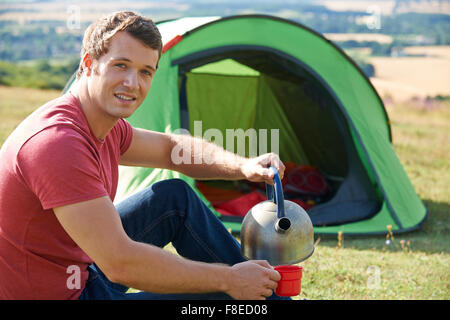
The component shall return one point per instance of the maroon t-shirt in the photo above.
(51, 159)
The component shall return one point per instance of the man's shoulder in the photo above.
(56, 121)
(57, 135)
(63, 111)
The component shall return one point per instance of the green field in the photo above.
(414, 265)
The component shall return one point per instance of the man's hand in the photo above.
(257, 169)
(253, 280)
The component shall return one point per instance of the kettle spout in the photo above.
(282, 225)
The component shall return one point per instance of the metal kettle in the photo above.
(277, 230)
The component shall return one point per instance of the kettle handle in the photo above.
(277, 196)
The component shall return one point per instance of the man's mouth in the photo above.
(124, 97)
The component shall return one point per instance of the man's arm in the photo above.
(96, 227)
(196, 158)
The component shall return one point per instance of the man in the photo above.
(61, 237)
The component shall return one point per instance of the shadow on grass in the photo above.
(433, 236)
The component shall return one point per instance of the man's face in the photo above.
(120, 79)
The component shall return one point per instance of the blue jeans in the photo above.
(169, 211)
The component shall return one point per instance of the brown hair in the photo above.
(97, 35)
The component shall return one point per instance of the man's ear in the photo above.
(87, 63)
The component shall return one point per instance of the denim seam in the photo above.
(201, 243)
(143, 233)
(168, 214)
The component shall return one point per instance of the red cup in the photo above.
(291, 281)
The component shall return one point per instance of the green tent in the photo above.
(265, 73)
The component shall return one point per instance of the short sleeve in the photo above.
(125, 131)
(60, 167)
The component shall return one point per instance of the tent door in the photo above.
(318, 132)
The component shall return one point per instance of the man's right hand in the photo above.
(253, 280)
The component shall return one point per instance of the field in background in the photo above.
(426, 73)
(359, 37)
(411, 266)
(17, 103)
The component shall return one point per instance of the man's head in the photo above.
(97, 36)
(120, 56)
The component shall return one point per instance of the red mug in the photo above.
(291, 281)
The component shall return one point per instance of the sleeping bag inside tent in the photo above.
(255, 84)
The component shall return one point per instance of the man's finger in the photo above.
(277, 164)
(266, 174)
(268, 293)
(263, 263)
(281, 169)
(274, 275)
(272, 284)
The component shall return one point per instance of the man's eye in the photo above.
(120, 65)
(145, 72)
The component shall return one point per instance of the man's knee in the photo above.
(172, 184)
(172, 187)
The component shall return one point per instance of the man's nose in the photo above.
(131, 80)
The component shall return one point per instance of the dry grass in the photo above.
(421, 136)
(404, 77)
(442, 52)
(17, 103)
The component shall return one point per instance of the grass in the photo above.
(413, 265)
(17, 103)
